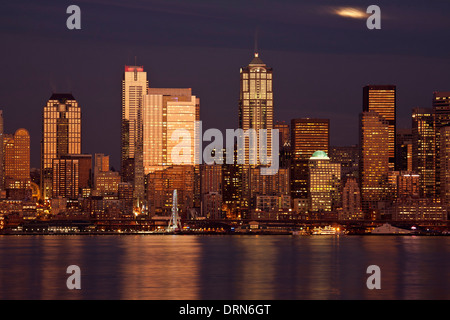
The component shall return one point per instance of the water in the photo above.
(163, 267)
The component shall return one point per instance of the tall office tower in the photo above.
(404, 149)
(444, 135)
(2, 182)
(256, 104)
(17, 160)
(423, 145)
(232, 186)
(284, 133)
(441, 110)
(165, 111)
(211, 190)
(134, 87)
(348, 157)
(408, 185)
(84, 169)
(284, 143)
(274, 184)
(61, 135)
(351, 201)
(324, 182)
(101, 164)
(373, 161)
(125, 194)
(382, 99)
(65, 178)
(307, 137)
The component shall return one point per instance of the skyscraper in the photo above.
(61, 135)
(307, 136)
(324, 182)
(256, 103)
(444, 135)
(65, 178)
(351, 200)
(165, 111)
(134, 87)
(17, 160)
(2, 182)
(255, 113)
(373, 161)
(441, 110)
(382, 99)
(101, 164)
(423, 153)
(404, 152)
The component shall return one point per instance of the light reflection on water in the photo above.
(224, 267)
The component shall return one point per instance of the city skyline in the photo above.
(308, 63)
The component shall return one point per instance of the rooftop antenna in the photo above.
(256, 42)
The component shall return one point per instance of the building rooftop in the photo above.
(62, 97)
(320, 155)
(257, 60)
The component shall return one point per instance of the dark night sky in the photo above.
(321, 61)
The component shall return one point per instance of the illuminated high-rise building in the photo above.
(171, 113)
(134, 87)
(348, 157)
(404, 152)
(101, 164)
(255, 113)
(232, 186)
(65, 178)
(441, 110)
(211, 190)
(17, 160)
(423, 153)
(256, 104)
(323, 182)
(61, 135)
(351, 201)
(373, 161)
(84, 169)
(444, 135)
(2, 184)
(284, 143)
(284, 133)
(165, 111)
(382, 99)
(307, 136)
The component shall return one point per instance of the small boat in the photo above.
(327, 230)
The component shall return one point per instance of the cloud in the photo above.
(349, 12)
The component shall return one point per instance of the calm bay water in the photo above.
(163, 267)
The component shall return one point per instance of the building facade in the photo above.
(61, 135)
(441, 112)
(324, 183)
(134, 87)
(423, 153)
(382, 99)
(307, 136)
(373, 161)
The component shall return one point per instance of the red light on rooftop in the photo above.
(134, 68)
